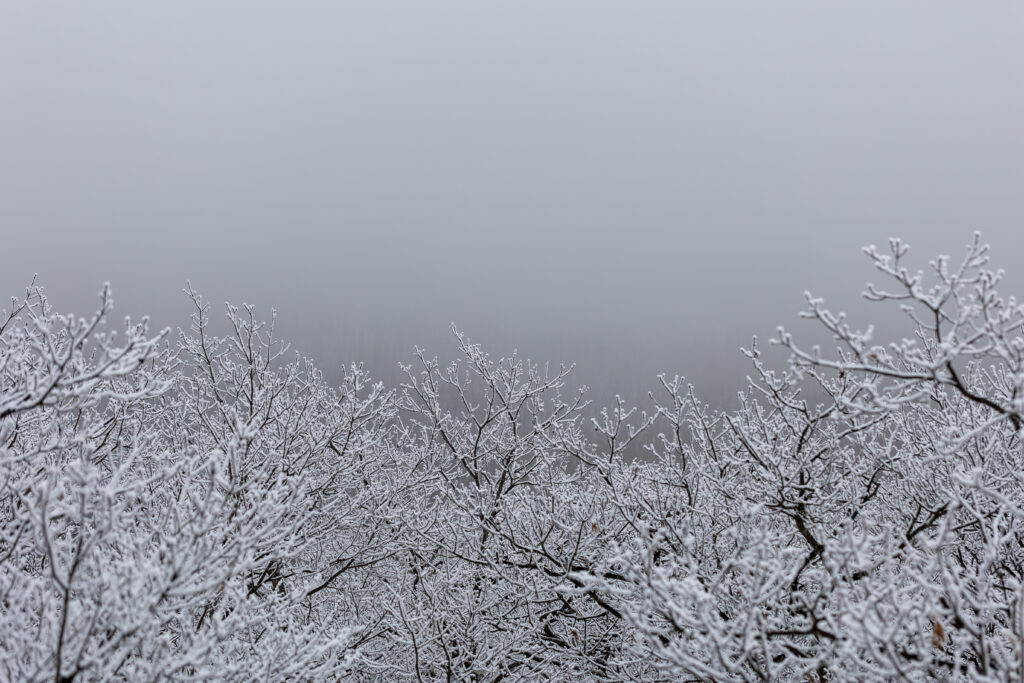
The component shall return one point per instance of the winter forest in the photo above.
(191, 505)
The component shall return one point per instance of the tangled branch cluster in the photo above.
(209, 508)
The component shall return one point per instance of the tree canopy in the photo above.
(208, 507)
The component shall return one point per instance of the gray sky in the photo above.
(637, 186)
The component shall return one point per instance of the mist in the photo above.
(636, 188)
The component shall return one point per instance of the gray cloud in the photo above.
(638, 187)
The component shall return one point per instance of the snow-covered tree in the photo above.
(205, 506)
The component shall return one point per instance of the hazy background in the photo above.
(636, 186)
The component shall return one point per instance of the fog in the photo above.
(635, 187)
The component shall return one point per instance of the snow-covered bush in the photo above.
(207, 507)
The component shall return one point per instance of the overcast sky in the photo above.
(637, 186)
